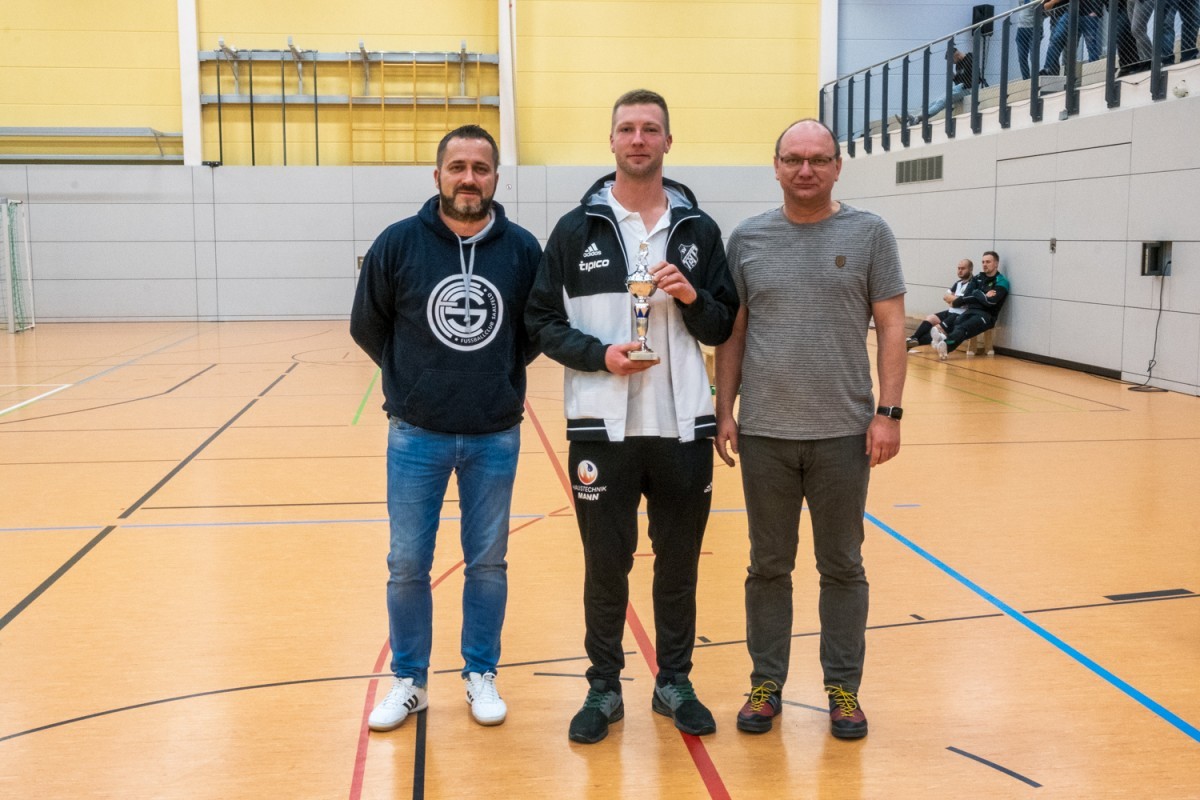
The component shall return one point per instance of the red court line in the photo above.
(697, 750)
(360, 757)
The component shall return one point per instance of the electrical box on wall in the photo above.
(1156, 258)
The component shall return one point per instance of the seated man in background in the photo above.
(981, 301)
(921, 335)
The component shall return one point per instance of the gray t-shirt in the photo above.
(808, 289)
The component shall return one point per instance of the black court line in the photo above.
(277, 684)
(1005, 379)
(971, 617)
(73, 560)
(996, 767)
(111, 405)
(419, 756)
(1118, 598)
(154, 489)
(572, 675)
(58, 573)
(192, 696)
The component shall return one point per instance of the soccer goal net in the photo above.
(16, 283)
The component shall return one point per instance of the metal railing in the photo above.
(120, 136)
(931, 78)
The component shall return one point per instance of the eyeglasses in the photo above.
(816, 162)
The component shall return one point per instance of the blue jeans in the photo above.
(419, 463)
(1089, 32)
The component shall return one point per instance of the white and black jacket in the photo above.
(580, 306)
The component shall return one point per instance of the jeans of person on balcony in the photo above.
(1024, 42)
(942, 102)
(1089, 32)
(1189, 13)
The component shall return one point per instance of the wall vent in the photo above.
(919, 169)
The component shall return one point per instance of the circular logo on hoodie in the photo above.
(462, 321)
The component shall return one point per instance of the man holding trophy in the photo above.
(630, 284)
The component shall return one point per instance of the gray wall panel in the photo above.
(1178, 352)
(392, 184)
(1165, 205)
(98, 183)
(125, 222)
(114, 260)
(114, 299)
(251, 222)
(14, 182)
(1096, 208)
(1086, 333)
(265, 185)
(1090, 272)
(371, 218)
(285, 260)
(1026, 211)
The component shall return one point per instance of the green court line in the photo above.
(363, 404)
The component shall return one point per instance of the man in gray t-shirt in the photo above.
(810, 276)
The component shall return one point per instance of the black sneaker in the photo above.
(601, 708)
(760, 711)
(677, 700)
(846, 717)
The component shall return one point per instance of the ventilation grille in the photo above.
(919, 169)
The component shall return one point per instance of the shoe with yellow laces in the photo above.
(760, 711)
(846, 717)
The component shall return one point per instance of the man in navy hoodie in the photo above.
(637, 427)
(440, 308)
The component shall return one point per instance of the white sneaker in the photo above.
(402, 700)
(939, 342)
(486, 705)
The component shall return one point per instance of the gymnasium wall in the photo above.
(169, 242)
(1067, 204)
(80, 62)
(734, 71)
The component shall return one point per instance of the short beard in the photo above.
(471, 214)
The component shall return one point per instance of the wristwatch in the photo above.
(895, 412)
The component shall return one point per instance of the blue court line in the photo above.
(1157, 708)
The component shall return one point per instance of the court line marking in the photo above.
(1091, 664)
(996, 767)
(366, 396)
(31, 400)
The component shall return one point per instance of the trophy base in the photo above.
(643, 355)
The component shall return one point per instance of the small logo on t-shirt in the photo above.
(462, 322)
(592, 251)
(690, 255)
(840, 261)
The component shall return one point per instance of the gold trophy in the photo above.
(641, 285)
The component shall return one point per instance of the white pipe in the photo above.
(508, 103)
(827, 70)
(189, 83)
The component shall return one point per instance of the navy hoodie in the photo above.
(448, 366)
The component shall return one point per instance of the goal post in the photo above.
(16, 282)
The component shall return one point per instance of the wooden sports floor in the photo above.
(192, 545)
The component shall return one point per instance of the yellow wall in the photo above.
(88, 63)
(733, 71)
